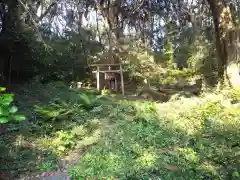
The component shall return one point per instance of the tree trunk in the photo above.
(11, 25)
(223, 22)
(111, 13)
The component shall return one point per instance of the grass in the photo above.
(150, 143)
(192, 139)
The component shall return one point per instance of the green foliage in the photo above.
(86, 101)
(158, 67)
(77, 138)
(134, 139)
(152, 142)
(169, 53)
(233, 94)
(105, 92)
(46, 167)
(67, 57)
(63, 141)
(172, 76)
(57, 84)
(8, 112)
(89, 102)
(50, 57)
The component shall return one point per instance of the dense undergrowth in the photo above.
(195, 138)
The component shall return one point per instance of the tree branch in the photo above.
(33, 21)
(48, 10)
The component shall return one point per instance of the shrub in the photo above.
(7, 110)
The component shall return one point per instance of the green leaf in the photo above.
(6, 99)
(19, 117)
(2, 89)
(4, 111)
(1, 111)
(13, 109)
(61, 148)
(236, 174)
(85, 99)
(3, 120)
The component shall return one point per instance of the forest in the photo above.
(120, 89)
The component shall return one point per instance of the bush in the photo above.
(234, 95)
(7, 110)
(171, 76)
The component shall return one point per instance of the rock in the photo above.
(148, 93)
(54, 176)
(57, 177)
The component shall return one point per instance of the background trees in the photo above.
(64, 36)
(168, 44)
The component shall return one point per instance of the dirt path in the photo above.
(62, 166)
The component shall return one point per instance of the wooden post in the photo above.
(116, 85)
(98, 78)
(122, 82)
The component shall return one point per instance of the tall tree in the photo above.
(223, 24)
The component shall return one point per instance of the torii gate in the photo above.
(109, 74)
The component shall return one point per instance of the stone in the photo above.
(55, 176)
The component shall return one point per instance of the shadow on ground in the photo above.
(124, 139)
